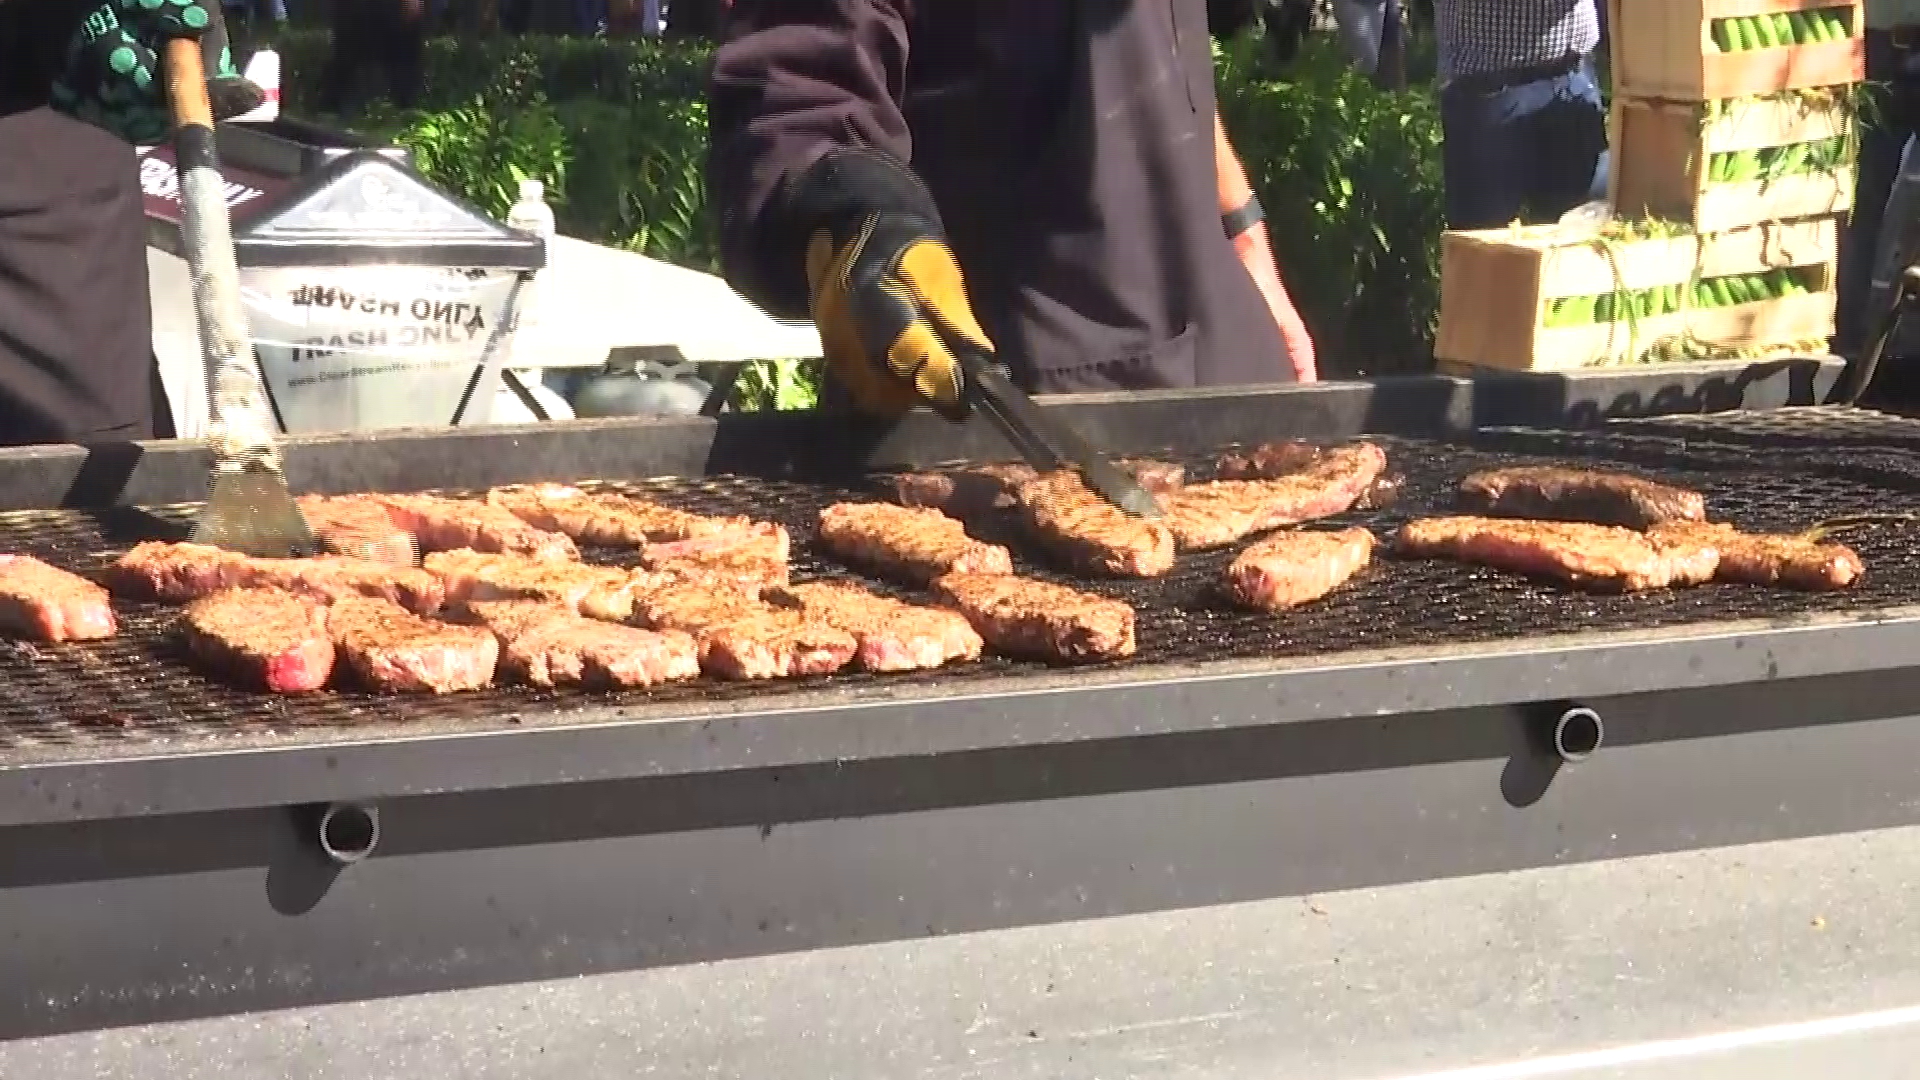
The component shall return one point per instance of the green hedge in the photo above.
(565, 68)
(1349, 174)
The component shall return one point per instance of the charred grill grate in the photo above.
(136, 695)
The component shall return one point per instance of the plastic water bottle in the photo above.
(530, 213)
(263, 70)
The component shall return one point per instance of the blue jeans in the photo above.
(1532, 149)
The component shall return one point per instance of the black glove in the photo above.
(112, 76)
(886, 292)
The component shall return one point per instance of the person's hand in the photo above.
(886, 292)
(1257, 256)
(113, 76)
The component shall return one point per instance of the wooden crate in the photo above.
(1661, 151)
(1665, 49)
(1496, 284)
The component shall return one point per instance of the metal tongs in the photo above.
(249, 508)
(1046, 444)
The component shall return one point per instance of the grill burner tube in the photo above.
(348, 832)
(1577, 733)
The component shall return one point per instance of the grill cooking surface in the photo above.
(137, 695)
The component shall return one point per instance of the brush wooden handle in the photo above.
(187, 85)
(240, 418)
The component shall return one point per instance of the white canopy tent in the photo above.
(588, 301)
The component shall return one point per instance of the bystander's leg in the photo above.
(1568, 135)
(1882, 135)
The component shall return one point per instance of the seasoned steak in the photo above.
(1267, 460)
(1567, 494)
(1222, 512)
(742, 636)
(1288, 569)
(178, 572)
(609, 520)
(268, 639)
(1270, 461)
(752, 556)
(1040, 620)
(1090, 534)
(441, 524)
(600, 592)
(893, 636)
(47, 603)
(912, 545)
(1768, 558)
(359, 527)
(967, 489)
(1690, 560)
(546, 645)
(394, 651)
(1598, 557)
(973, 489)
(1159, 477)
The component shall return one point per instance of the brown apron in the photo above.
(1070, 147)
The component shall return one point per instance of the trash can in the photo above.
(375, 300)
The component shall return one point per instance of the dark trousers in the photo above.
(386, 36)
(1529, 145)
(1895, 117)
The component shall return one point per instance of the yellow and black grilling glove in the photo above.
(885, 290)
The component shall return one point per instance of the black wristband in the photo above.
(1239, 221)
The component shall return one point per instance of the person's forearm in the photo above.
(1235, 190)
(1257, 255)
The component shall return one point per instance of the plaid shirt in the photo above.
(1482, 36)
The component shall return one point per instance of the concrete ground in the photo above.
(1793, 960)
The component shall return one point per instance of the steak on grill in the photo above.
(967, 489)
(179, 572)
(47, 603)
(752, 556)
(1090, 534)
(912, 545)
(1223, 512)
(394, 651)
(1562, 493)
(441, 524)
(742, 636)
(600, 592)
(358, 527)
(1288, 569)
(1270, 461)
(1040, 620)
(973, 489)
(546, 645)
(603, 519)
(1159, 477)
(1768, 558)
(1598, 557)
(268, 639)
(892, 636)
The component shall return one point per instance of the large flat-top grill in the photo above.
(1395, 730)
(137, 695)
